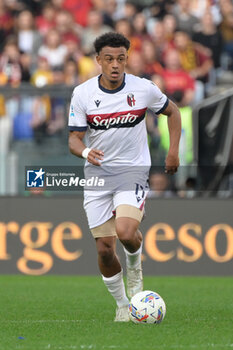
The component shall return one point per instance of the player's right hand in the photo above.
(94, 155)
(172, 163)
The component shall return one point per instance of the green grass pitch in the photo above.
(73, 312)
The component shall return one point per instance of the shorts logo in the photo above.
(139, 192)
(35, 178)
(131, 100)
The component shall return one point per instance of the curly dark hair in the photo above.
(111, 39)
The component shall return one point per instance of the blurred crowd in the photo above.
(181, 45)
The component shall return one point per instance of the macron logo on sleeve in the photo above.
(97, 102)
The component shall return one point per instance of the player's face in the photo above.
(112, 61)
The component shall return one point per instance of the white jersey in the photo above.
(114, 120)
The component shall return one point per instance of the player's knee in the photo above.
(105, 253)
(125, 233)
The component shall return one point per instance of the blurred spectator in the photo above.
(46, 20)
(53, 50)
(209, 36)
(179, 85)
(10, 63)
(109, 10)
(57, 119)
(3, 79)
(33, 6)
(29, 40)
(58, 4)
(186, 22)
(58, 75)
(48, 113)
(26, 62)
(136, 64)
(189, 189)
(195, 59)
(129, 10)
(73, 48)
(160, 186)
(87, 68)
(15, 6)
(226, 26)
(80, 10)
(124, 27)
(43, 75)
(139, 31)
(159, 81)
(5, 128)
(139, 25)
(94, 29)
(149, 53)
(41, 111)
(6, 23)
(159, 39)
(158, 8)
(71, 72)
(57, 116)
(169, 25)
(66, 26)
(198, 7)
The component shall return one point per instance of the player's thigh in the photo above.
(129, 214)
(98, 206)
(105, 230)
(128, 219)
(129, 205)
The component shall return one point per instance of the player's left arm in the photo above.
(174, 126)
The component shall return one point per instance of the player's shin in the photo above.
(134, 272)
(116, 288)
(133, 260)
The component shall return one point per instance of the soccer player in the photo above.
(109, 110)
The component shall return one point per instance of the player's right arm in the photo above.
(78, 127)
(77, 147)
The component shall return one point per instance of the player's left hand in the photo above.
(172, 163)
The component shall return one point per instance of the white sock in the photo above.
(133, 260)
(116, 288)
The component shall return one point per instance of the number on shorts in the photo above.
(139, 192)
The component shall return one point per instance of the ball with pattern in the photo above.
(147, 307)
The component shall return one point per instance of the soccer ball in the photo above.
(147, 307)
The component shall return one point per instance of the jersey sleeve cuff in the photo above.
(77, 128)
(164, 107)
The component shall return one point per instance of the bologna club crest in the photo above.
(131, 100)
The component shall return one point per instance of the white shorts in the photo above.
(100, 205)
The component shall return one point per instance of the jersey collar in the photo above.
(114, 90)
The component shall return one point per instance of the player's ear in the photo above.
(98, 59)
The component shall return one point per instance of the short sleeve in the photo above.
(77, 114)
(157, 101)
